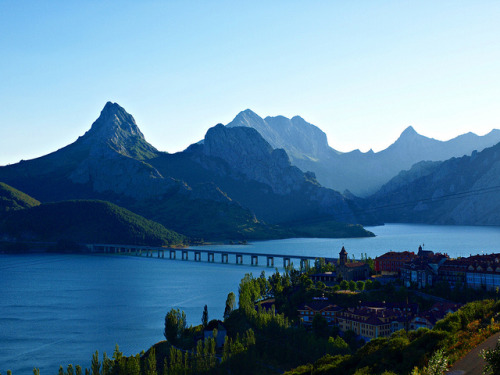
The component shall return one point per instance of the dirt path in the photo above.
(472, 364)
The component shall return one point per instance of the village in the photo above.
(415, 272)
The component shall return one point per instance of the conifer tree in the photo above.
(69, 370)
(150, 365)
(95, 365)
(78, 370)
(204, 317)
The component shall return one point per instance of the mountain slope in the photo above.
(250, 171)
(457, 191)
(245, 181)
(110, 162)
(360, 173)
(86, 222)
(12, 199)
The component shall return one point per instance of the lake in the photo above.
(58, 309)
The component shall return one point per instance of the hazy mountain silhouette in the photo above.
(360, 173)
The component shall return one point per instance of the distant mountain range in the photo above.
(264, 178)
(235, 185)
(463, 190)
(360, 173)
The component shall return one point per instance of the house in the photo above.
(483, 272)
(318, 306)
(372, 322)
(428, 319)
(423, 270)
(453, 271)
(221, 332)
(391, 262)
(326, 277)
(351, 270)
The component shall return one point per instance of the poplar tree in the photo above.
(204, 317)
(95, 365)
(150, 365)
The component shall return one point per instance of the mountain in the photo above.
(223, 189)
(86, 222)
(110, 162)
(360, 173)
(259, 177)
(461, 191)
(12, 199)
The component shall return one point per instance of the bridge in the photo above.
(210, 256)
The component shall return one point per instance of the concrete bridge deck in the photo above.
(209, 255)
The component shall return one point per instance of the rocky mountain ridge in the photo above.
(113, 161)
(360, 173)
(462, 191)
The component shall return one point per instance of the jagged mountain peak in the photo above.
(116, 128)
(246, 118)
(114, 118)
(408, 132)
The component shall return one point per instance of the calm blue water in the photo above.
(59, 309)
(454, 240)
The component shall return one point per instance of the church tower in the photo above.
(343, 256)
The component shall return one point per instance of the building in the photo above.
(351, 270)
(428, 319)
(391, 263)
(453, 271)
(318, 306)
(422, 271)
(483, 272)
(326, 277)
(372, 322)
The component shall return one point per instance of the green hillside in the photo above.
(12, 199)
(87, 221)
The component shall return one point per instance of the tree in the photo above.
(175, 324)
(344, 285)
(492, 358)
(230, 304)
(360, 285)
(204, 317)
(150, 364)
(95, 365)
(320, 326)
(352, 286)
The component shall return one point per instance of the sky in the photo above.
(362, 71)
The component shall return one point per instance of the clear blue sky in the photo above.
(360, 70)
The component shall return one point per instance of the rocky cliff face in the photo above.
(247, 152)
(244, 155)
(116, 129)
(457, 191)
(300, 139)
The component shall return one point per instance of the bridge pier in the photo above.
(270, 261)
(255, 260)
(211, 257)
(304, 264)
(239, 259)
(172, 254)
(184, 255)
(286, 262)
(224, 258)
(197, 256)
